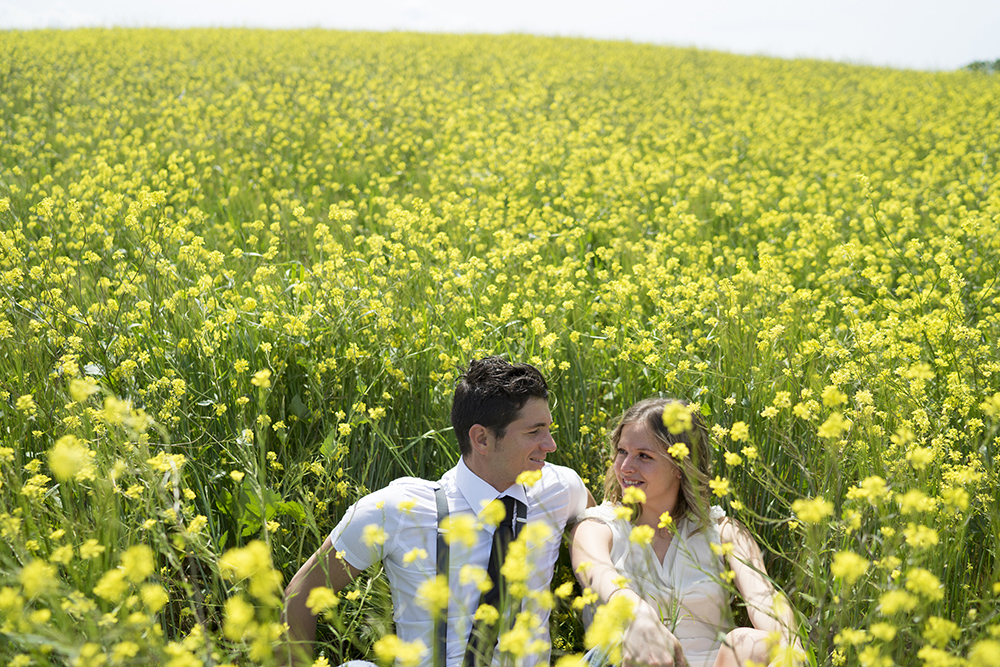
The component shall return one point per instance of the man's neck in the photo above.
(481, 469)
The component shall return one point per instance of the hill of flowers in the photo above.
(241, 270)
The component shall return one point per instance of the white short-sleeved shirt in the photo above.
(406, 511)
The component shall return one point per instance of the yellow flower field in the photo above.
(241, 271)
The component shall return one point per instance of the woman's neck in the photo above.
(651, 514)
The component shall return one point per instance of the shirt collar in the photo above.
(477, 491)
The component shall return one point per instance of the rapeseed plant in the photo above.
(241, 275)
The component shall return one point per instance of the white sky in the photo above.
(918, 34)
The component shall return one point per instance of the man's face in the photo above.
(525, 443)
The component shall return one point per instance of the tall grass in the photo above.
(241, 271)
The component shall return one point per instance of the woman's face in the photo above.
(641, 463)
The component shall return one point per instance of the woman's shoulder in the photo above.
(612, 516)
(727, 528)
(713, 526)
(603, 513)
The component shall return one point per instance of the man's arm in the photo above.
(323, 568)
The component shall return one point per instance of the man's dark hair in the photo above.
(491, 393)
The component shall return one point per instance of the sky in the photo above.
(918, 34)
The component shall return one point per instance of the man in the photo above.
(502, 422)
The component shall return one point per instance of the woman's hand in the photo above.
(647, 642)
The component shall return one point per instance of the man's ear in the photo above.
(480, 437)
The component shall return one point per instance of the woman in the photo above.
(676, 580)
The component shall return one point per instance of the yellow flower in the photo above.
(253, 563)
(458, 529)
(262, 378)
(487, 614)
(848, 566)
(919, 457)
(321, 600)
(920, 537)
(957, 499)
(932, 656)
(522, 640)
(834, 426)
(38, 578)
(985, 653)
(90, 549)
(70, 458)
(391, 649)
(239, 615)
(721, 549)
(679, 451)
(26, 404)
(137, 563)
(812, 510)
(719, 486)
(873, 489)
(851, 636)
(991, 406)
(884, 631)
(154, 597)
(939, 631)
(895, 601)
(80, 389)
(642, 535)
(405, 506)
(564, 590)
(623, 512)
(529, 477)
(111, 586)
(608, 626)
(925, 583)
(413, 555)
(832, 396)
(62, 555)
(733, 459)
(433, 595)
(633, 496)
(493, 512)
(124, 651)
(914, 501)
(677, 418)
(739, 431)
(750, 453)
(782, 399)
(373, 534)
(666, 521)
(473, 574)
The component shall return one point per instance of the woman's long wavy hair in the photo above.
(696, 467)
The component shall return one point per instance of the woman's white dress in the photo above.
(686, 587)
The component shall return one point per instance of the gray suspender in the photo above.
(441, 622)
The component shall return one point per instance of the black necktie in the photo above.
(483, 639)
